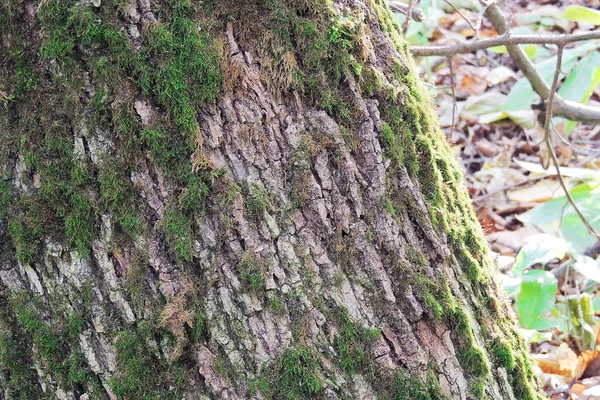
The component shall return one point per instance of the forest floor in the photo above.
(484, 109)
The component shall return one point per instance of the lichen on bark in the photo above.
(230, 199)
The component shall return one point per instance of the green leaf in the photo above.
(580, 78)
(535, 298)
(585, 74)
(499, 49)
(596, 302)
(582, 14)
(557, 216)
(531, 50)
(533, 336)
(522, 95)
(511, 285)
(539, 249)
(587, 267)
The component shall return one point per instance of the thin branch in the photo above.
(509, 187)
(475, 29)
(453, 95)
(572, 146)
(503, 40)
(416, 14)
(563, 108)
(406, 24)
(548, 142)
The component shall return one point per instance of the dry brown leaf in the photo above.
(487, 148)
(578, 388)
(539, 192)
(562, 362)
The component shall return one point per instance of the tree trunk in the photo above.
(235, 199)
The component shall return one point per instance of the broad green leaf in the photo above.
(582, 14)
(557, 216)
(535, 298)
(531, 50)
(596, 302)
(533, 336)
(539, 249)
(594, 82)
(499, 49)
(580, 78)
(522, 95)
(547, 21)
(511, 285)
(524, 118)
(587, 267)
(472, 5)
(492, 117)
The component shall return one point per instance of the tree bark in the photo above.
(235, 199)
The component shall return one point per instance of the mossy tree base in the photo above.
(232, 199)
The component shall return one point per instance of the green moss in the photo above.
(256, 201)
(18, 379)
(434, 306)
(26, 228)
(117, 197)
(260, 384)
(195, 195)
(475, 361)
(75, 325)
(503, 354)
(277, 305)
(477, 387)
(6, 197)
(252, 271)
(198, 326)
(297, 374)
(178, 232)
(406, 387)
(49, 344)
(351, 345)
(139, 375)
(79, 224)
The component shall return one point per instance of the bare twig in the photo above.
(572, 146)
(416, 14)
(453, 95)
(503, 40)
(406, 24)
(475, 28)
(563, 108)
(548, 142)
(509, 187)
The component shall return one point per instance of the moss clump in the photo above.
(277, 305)
(79, 223)
(257, 201)
(351, 346)
(26, 227)
(47, 341)
(117, 197)
(198, 325)
(406, 387)
(185, 69)
(260, 384)
(252, 271)
(297, 374)
(503, 354)
(140, 375)
(17, 378)
(178, 232)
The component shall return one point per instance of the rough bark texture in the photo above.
(235, 199)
